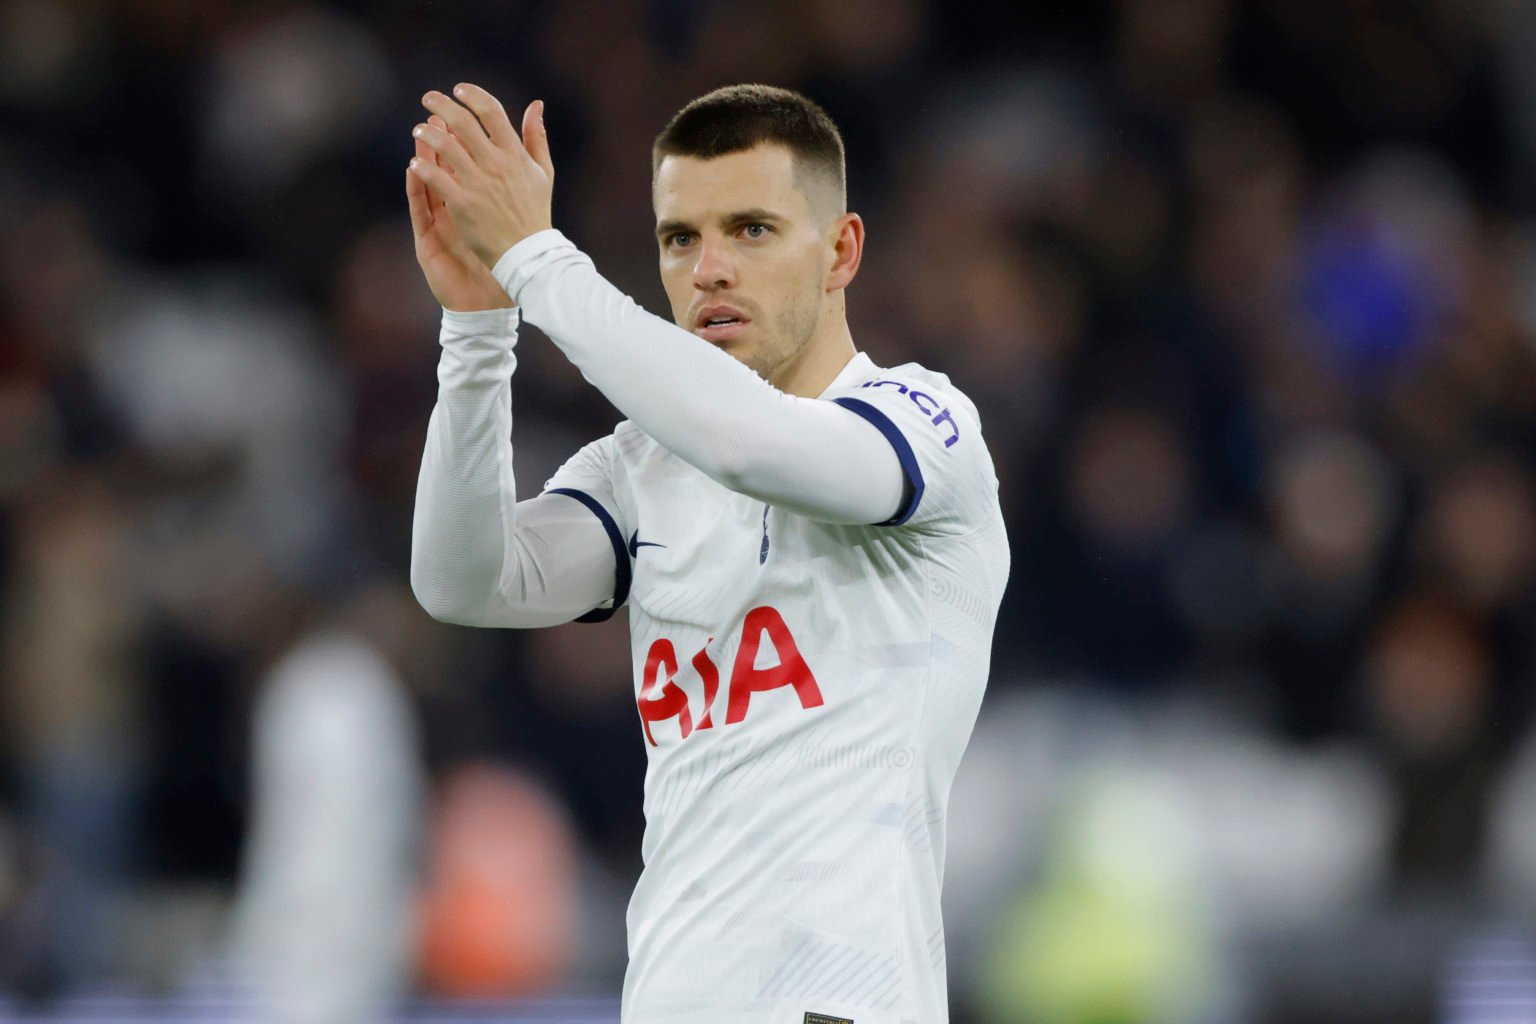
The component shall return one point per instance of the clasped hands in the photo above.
(495, 185)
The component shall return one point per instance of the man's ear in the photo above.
(846, 236)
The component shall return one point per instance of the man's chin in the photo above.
(743, 350)
(747, 355)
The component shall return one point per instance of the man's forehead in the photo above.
(762, 177)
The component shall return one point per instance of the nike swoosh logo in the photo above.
(635, 544)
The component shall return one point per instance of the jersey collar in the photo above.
(855, 370)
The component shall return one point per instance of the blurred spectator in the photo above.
(498, 913)
(325, 915)
(74, 710)
(1114, 930)
(1429, 676)
(1333, 504)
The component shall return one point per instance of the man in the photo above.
(810, 547)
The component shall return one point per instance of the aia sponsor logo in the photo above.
(661, 699)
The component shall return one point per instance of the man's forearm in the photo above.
(465, 489)
(478, 556)
(697, 401)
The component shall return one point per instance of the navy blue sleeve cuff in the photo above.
(904, 454)
(622, 572)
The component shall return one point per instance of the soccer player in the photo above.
(809, 545)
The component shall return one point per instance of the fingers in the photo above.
(534, 138)
(492, 115)
(444, 146)
(416, 197)
(488, 183)
(436, 122)
(424, 151)
(462, 124)
(437, 179)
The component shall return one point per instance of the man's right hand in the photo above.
(457, 277)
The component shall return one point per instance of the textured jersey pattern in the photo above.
(804, 716)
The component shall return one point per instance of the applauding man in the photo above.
(809, 545)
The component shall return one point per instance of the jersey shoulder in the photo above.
(912, 394)
(936, 432)
(630, 442)
(626, 443)
(904, 379)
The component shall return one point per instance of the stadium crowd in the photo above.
(1245, 293)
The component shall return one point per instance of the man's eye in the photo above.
(756, 230)
(679, 238)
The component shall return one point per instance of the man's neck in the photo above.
(820, 363)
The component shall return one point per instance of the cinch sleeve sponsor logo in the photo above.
(927, 403)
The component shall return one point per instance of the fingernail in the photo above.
(458, 90)
(413, 162)
(416, 131)
(541, 111)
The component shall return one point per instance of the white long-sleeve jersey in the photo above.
(805, 682)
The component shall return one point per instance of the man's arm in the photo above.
(480, 557)
(709, 409)
(812, 457)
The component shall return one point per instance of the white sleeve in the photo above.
(480, 557)
(806, 455)
(936, 434)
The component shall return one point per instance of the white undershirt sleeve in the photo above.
(480, 557)
(808, 456)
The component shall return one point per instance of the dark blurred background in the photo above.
(1242, 290)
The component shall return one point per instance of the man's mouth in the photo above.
(722, 326)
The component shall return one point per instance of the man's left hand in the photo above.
(497, 187)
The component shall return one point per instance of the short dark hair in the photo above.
(736, 118)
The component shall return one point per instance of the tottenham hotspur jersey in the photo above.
(804, 693)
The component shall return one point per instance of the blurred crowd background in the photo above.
(1244, 291)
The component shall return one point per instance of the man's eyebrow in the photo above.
(671, 227)
(757, 213)
(754, 215)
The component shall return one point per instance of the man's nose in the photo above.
(714, 268)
